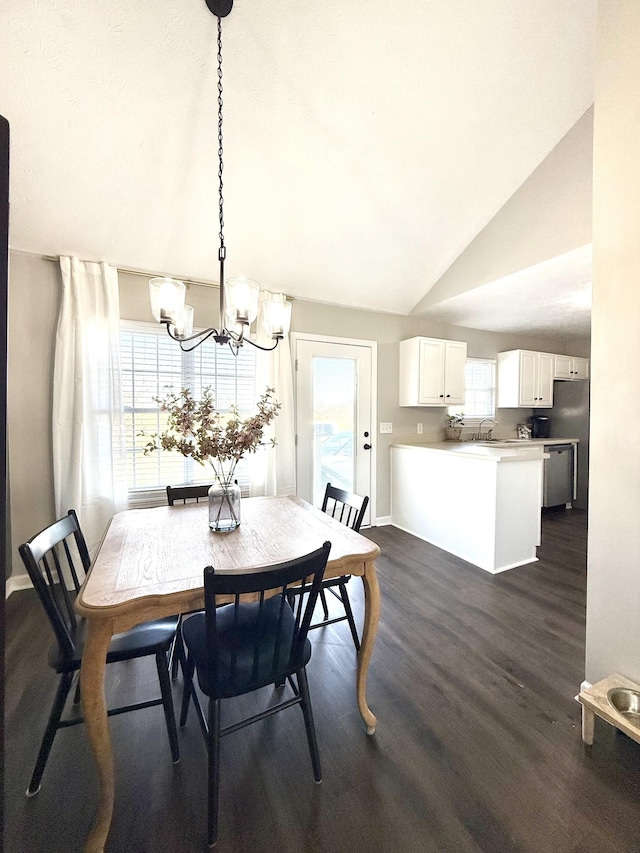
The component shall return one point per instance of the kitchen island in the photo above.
(479, 502)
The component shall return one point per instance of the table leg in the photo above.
(588, 725)
(371, 618)
(94, 709)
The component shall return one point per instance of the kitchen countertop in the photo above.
(494, 451)
(517, 442)
(498, 450)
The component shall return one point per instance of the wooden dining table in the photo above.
(150, 564)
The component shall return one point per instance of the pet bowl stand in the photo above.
(594, 703)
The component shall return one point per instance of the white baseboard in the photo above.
(584, 686)
(383, 520)
(16, 582)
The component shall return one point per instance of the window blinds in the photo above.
(151, 363)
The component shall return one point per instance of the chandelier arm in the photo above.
(201, 340)
(200, 337)
(264, 349)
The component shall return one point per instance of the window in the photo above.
(479, 390)
(151, 361)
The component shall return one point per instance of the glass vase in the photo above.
(224, 506)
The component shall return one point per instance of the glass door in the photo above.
(333, 417)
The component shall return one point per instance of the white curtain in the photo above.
(88, 437)
(273, 469)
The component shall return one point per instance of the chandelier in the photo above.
(239, 297)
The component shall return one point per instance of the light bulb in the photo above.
(241, 298)
(167, 299)
(276, 313)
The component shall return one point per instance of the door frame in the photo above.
(373, 347)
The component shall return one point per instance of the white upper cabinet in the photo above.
(571, 367)
(432, 372)
(525, 379)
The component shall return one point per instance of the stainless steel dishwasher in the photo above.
(558, 475)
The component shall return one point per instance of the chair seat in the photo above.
(329, 582)
(236, 646)
(149, 638)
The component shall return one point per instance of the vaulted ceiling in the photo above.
(366, 143)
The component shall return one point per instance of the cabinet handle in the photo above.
(448, 395)
(442, 395)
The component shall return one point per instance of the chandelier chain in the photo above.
(220, 145)
(177, 318)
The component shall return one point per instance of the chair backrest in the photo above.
(183, 494)
(279, 621)
(51, 558)
(346, 507)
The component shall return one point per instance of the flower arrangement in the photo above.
(453, 429)
(196, 429)
(455, 420)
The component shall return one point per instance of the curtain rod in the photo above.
(187, 281)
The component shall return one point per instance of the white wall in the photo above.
(613, 589)
(549, 215)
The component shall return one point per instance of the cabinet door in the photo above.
(455, 359)
(580, 368)
(571, 367)
(528, 379)
(431, 373)
(546, 367)
(564, 366)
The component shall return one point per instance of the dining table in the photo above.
(151, 564)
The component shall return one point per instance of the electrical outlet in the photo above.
(419, 429)
(386, 427)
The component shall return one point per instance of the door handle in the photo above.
(367, 446)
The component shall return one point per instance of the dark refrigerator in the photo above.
(570, 419)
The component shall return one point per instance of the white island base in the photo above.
(482, 504)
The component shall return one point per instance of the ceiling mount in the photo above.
(220, 8)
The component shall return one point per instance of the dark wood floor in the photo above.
(478, 745)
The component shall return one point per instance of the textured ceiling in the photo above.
(551, 298)
(366, 143)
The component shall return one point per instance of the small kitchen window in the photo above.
(479, 390)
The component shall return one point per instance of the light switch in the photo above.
(419, 429)
(386, 427)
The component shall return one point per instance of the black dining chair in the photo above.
(349, 509)
(51, 558)
(186, 494)
(183, 495)
(242, 646)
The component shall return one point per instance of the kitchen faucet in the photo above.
(479, 436)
